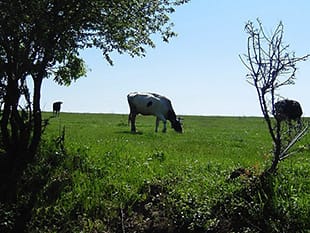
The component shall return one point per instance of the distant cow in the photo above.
(56, 108)
(152, 104)
(288, 110)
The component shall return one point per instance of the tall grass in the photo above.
(107, 172)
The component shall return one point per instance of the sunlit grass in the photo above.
(108, 165)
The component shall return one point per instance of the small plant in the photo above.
(271, 66)
(159, 155)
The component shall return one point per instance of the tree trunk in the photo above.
(9, 116)
(20, 137)
(277, 148)
(37, 116)
(11, 131)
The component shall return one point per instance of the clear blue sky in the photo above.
(199, 70)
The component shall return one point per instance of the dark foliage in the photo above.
(39, 178)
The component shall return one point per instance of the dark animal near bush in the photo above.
(152, 104)
(287, 110)
(56, 108)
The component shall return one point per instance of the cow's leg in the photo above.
(157, 124)
(165, 126)
(299, 124)
(132, 118)
(290, 126)
(163, 119)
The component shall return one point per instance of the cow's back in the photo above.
(288, 110)
(148, 103)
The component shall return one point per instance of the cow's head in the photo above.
(177, 125)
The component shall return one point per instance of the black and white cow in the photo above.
(152, 104)
(56, 108)
(287, 110)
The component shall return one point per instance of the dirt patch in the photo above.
(149, 215)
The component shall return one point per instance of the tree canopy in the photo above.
(48, 34)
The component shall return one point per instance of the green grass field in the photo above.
(113, 179)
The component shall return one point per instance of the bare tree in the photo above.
(271, 65)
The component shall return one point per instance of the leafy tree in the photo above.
(41, 39)
(271, 66)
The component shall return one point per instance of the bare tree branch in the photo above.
(285, 153)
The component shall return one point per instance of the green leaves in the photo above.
(50, 30)
(72, 68)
